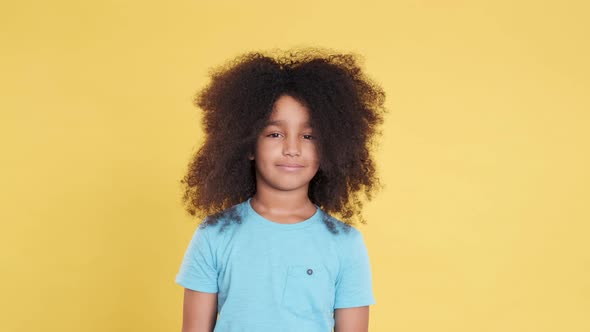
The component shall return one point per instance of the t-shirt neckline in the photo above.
(269, 223)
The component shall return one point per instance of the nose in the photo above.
(291, 146)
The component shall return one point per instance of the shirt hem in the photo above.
(196, 287)
(353, 305)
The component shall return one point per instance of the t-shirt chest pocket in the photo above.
(308, 288)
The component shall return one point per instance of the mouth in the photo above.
(290, 167)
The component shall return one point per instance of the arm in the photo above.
(351, 319)
(199, 311)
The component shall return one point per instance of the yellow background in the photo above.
(483, 221)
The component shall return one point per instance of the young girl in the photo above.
(287, 144)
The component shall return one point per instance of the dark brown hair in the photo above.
(345, 106)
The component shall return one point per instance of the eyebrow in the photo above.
(280, 122)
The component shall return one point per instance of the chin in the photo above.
(282, 182)
(289, 185)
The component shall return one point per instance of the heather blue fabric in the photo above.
(278, 277)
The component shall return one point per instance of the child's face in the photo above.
(286, 154)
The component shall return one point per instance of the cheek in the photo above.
(259, 148)
(265, 151)
(314, 160)
(314, 154)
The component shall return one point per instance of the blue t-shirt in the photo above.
(270, 276)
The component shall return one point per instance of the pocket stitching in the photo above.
(296, 275)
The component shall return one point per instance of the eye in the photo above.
(309, 137)
(274, 135)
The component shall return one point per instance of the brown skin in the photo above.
(281, 191)
(200, 314)
(345, 106)
(281, 196)
(199, 311)
(351, 319)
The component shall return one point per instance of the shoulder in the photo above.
(337, 226)
(343, 233)
(350, 246)
(225, 221)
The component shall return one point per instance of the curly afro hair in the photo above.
(345, 106)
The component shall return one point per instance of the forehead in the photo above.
(288, 110)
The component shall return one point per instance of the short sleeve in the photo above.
(198, 270)
(354, 286)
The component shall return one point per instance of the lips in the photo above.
(290, 167)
